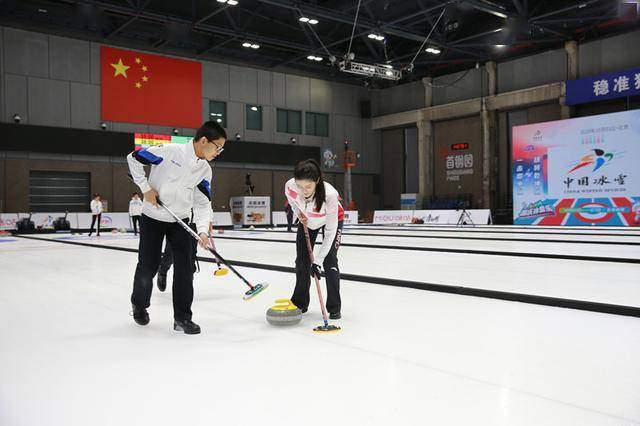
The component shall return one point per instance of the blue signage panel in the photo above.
(612, 85)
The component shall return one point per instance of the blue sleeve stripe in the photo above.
(205, 188)
(146, 158)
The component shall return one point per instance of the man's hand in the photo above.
(204, 240)
(151, 197)
(302, 218)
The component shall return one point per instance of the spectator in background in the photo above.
(135, 211)
(96, 213)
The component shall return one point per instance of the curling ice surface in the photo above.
(72, 355)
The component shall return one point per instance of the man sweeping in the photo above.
(180, 177)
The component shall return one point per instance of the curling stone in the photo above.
(284, 313)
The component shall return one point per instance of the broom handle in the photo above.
(194, 235)
(324, 311)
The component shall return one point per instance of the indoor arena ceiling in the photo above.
(306, 35)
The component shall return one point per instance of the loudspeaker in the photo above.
(25, 224)
(62, 224)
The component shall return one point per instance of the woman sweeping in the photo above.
(317, 205)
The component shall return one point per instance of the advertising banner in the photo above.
(582, 171)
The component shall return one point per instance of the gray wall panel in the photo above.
(165, 130)
(531, 71)
(320, 95)
(49, 102)
(130, 127)
(94, 63)
(26, 53)
(297, 92)
(243, 84)
(404, 97)
(609, 54)
(69, 59)
(278, 90)
(85, 106)
(16, 97)
(215, 80)
(264, 87)
(235, 119)
(459, 86)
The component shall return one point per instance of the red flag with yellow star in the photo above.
(150, 89)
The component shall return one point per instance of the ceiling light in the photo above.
(376, 37)
(245, 44)
(222, 1)
(433, 50)
(255, 46)
(318, 59)
(254, 108)
(500, 46)
(582, 5)
(232, 2)
(313, 21)
(303, 19)
(388, 73)
(219, 120)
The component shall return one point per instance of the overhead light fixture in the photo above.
(314, 58)
(254, 108)
(500, 46)
(582, 5)
(255, 46)
(232, 2)
(219, 120)
(222, 1)
(251, 45)
(306, 20)
(374, 36)
(433, 50)
(245, 44)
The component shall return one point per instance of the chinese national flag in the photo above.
(150, 89)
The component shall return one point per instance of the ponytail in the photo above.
(310, 170)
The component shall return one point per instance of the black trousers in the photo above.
(152, 233)
(93, 222)
(300, 296)
(167, 256)
(289, 219)
(135, 220)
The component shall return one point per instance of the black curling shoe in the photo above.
(162, 282)
(140, 315)
(335, 316)
(187, 326)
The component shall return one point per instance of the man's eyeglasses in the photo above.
(219, 148)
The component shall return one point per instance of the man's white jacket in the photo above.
(182, 180)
